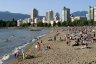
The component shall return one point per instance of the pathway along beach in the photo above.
(56, 48)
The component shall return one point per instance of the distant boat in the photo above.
(35, 30)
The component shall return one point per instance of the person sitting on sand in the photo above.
(85, 43)
(20, 54)
(68, 42)
(65, 37)
(77, 42)
(61, 39)
(17, 54)
(48, 47)
(38, 46)
(50, 39)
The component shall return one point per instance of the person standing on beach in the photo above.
(68, 39)
(23, 55)
(54, 38)
(41, 41)
(42, 45)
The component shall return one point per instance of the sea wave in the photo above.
(7, 56)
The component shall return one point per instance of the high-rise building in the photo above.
(44, 20)
(92, 13)
(66, 14)
(46, 17)
(34, 14)
(49, 15)
(95, 13)
(57, 16)
(87, 16)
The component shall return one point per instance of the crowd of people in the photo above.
(82, 36)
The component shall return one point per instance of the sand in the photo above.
(60, 52)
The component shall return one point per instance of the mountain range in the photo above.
(9, 16)
(79, 13)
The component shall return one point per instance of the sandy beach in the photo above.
(60, 52)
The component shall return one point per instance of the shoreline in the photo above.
(29, 45)
(10, 55)
(60, 52)
(32, 44)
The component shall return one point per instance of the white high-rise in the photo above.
(49, 15)
(95, 13)
(92, 13)
(65, 14)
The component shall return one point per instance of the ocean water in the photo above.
(11, 39)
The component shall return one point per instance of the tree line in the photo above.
(13, 23)
(67, 23)
(10, 23)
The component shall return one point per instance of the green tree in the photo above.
(92, 22)
(49, 24)
(40, 24)
(45, 24)
(54, 24)
(59, 24)
(24, 25)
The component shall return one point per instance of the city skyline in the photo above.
(26, 6)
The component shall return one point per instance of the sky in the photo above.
(26, 6)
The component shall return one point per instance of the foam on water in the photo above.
(18, 48)
(1, 62)
(41, 36)
(7, 56)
